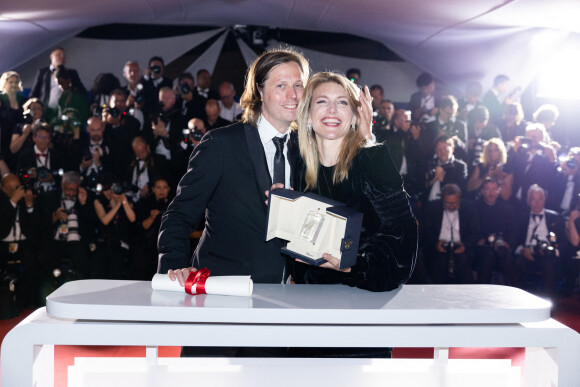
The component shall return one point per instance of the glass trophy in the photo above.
(312, 226)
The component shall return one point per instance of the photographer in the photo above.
(71, 97)
(95, 157)
(541, 231)
(114, 230)
(444, 169)
(11, 102)
(450, 229)
(528, 162)
(154, 75)
(40, 164)
(479, 129)
(184, 91)
(143, 169)
(149, 211)
(446, 124)
(492, 165)
(168, 127)
(17, 235)
(140, 96)
(497, 235)
(565, 198)
(120, 129)
(66, 224)
(33, 114)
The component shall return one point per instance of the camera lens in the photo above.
(185, 89)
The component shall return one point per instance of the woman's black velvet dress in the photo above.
(388, 242)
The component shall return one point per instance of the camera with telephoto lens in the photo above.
(27, 117)
(118, 188)
(545, 248)
(26, 179)
(196, 134)
(158, 114)
(184, 88)
(495, 240)
(571, 163)
(114, 112)
(446, 167)
(43, 173)
(525, 145)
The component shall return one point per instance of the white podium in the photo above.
(104, 312)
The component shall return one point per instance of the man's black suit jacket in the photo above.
(8, 216)
(433, 218)
(27, 160)
(226, 180)
(554, 222)
(41, 86)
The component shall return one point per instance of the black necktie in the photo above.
(279, 161)
(537, 217)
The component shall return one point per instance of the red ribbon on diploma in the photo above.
(197, 280)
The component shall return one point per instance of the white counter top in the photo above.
(110, 300)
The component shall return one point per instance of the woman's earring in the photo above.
(353, 127)
(309, 128)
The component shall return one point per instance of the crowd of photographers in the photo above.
(88, 175)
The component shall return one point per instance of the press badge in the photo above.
(63, 229)
(13, 247)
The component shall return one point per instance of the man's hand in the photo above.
(181, 274)
(416, 131)
(273, 187)
(460, 248)
(29, 197)
(18, 194)
(439, 246)
(159, 129)
(527, 254)
(439, 173)
(59, 214)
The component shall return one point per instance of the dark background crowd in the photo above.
(87, 176)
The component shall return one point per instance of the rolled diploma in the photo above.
(227, 285)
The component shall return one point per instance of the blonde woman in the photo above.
(11, 102)
(339, 163)
(491, 164)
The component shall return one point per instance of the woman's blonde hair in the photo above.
(6, 76)
(352, 141)
(500, 146)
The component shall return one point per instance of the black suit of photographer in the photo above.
(84, 150)
(431, 229)
(17, 249)
(120, 137)
(57, 252)
(452, 128)
(496, 241)
(537, 171)
(545, 261)
(455, 173)
(175, 123)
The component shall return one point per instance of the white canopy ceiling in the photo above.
(456, 40)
